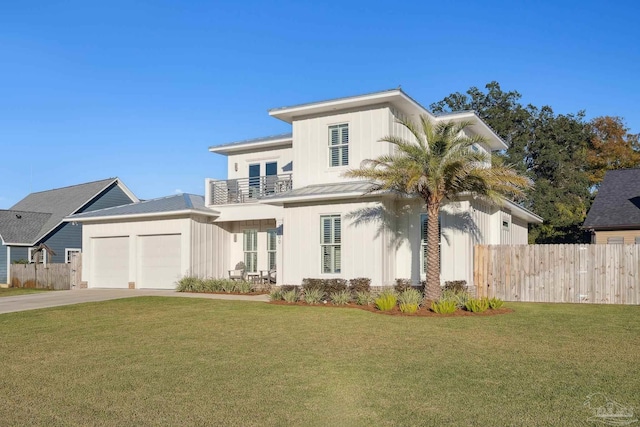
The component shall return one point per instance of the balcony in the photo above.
(247, 190)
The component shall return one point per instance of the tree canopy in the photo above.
(565, 155)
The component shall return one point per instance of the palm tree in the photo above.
(438, 164)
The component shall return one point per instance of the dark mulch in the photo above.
(422, 311)
(228, 293)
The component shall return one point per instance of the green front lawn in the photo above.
(183, 361)
(11, 292)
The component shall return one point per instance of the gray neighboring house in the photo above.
(38, 218)
(614, 217)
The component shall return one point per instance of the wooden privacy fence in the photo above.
(51, 276)
(600, 274)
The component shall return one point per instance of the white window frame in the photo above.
(30, 256)
(424, 218)
(341, 145)
(272, 239)
(67, 251)
(333, 244)
(250, 250)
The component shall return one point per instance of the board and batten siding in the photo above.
(112, 196)
(629, 236)
(283, 156)
(364, 251)
(311, 144)
(209, 249)
(519, 231)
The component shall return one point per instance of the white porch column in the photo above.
(279, 250)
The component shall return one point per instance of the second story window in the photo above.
(339, 145)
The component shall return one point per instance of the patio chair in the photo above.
(240, 272)
(234, 192)
(271, 276)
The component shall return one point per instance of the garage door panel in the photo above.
(110, 262)
(159, 261)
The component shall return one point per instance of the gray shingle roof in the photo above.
(53, 206)
(617, 204)
(325, 189)
(168, 204)
(21, 226)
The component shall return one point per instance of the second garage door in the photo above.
(159, 261)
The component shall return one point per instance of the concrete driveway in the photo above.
(59, 298)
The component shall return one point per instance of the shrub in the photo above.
(402, 285)
(455, 285)
(312, 284)
(227, 286)
(243, 287)
(275, 295)
(460, 298)
(334, 285)
(285, 288)
(360, 284)
(20, 261)
(409, 300)
(341, 297)
(313, 295)
(410, 296)
(386, 300)
(443, 306)
(363, 298)
(189, 284)
(495, 303)
(290, 296)
(476, 305)
(329, 286)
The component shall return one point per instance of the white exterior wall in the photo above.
(505, 232)
(209, 248)
(284, 157)
(519, 231)
(133, 229)
(364, 251)
(311, 144)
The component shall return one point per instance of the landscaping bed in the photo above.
(422, 311)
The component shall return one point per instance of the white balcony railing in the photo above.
(247, 190)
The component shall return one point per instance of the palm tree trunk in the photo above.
(432, 289)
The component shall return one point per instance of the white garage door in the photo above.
(110, 262)
(159, 261)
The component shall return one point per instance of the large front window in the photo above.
(271, 248)
(339, 145)
(250, 247)
(330, 243)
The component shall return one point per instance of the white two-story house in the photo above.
(287, 206)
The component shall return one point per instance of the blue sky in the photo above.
(140, 90)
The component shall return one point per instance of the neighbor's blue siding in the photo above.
(66, 235)
(113, 196)
(3, 264)
(69, 235)
(19, 253)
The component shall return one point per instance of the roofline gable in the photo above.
(119, 183)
